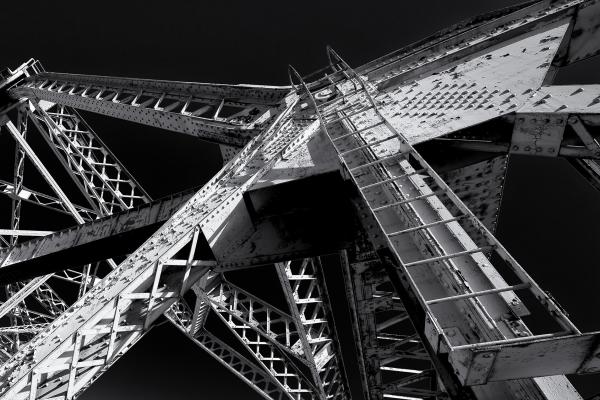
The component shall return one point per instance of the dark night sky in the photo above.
(549, 219)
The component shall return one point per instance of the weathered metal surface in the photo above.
(285, 195)
(480, 187)
(585, 30)
(304, 288)
(545, 357)
(538, 134)
(85, 242)
(590, 170)
(136, 272)
(390, 354)
(403, 193)
(562, 101)
(43, 200)
(314, 157)
(474, 89)
(528, 19)
(201, 110)
(97, 172)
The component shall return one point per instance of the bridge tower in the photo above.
(366, 196)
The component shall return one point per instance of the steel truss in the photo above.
(437, 305)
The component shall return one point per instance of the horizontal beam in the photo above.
(43, 200)
(23, 232)
(223, 114)
(492, 146)
(266, 95)
(258, 228)
(565, 100)
(577, 354)
(93, 241)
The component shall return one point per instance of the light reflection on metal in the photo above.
(435, 304)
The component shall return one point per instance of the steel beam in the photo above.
(206, 211)
(43, 200)
(306, 294)
(380, 319)
(101, 177)
(93, 241)
(408, 194)
(17, 135)
(225, 114)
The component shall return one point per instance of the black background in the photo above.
(549, 218)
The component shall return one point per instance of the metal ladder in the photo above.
(341, 96)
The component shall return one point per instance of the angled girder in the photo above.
(582, 41)
(392, 361)
(476, 87)
(254, 376)
(261, 380)
(306, 294)
(93, 241)
(205, 212)
(41, 199)
(437, 254)
(486, 30)
(246, 313)
(590, 170)
(257, 330)
(410, 210)
(18, 170)
(450, 36)
(96, 171)
(224, 114)
(480, 186)
(564, 100)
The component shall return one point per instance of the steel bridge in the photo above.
(387, 176)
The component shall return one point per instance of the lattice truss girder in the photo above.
(102, 179)
(74, 276)
(404, 207)
(96, 171)
(394, 181)
(73, 388)
(225, 114)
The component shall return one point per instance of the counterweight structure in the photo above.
(395, 167)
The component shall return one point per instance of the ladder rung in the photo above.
(520, 339)
(309, 301)
(319, 340)
(480, 293)
(352, 114)
(347, 108)
(448, 256)
(358, 131)
(326, 78)
(364, 146)
(383, 182)
(421, 197)
(344, 95)
(379, 161)
(426, 226)
(314, 321)
(327, 67)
